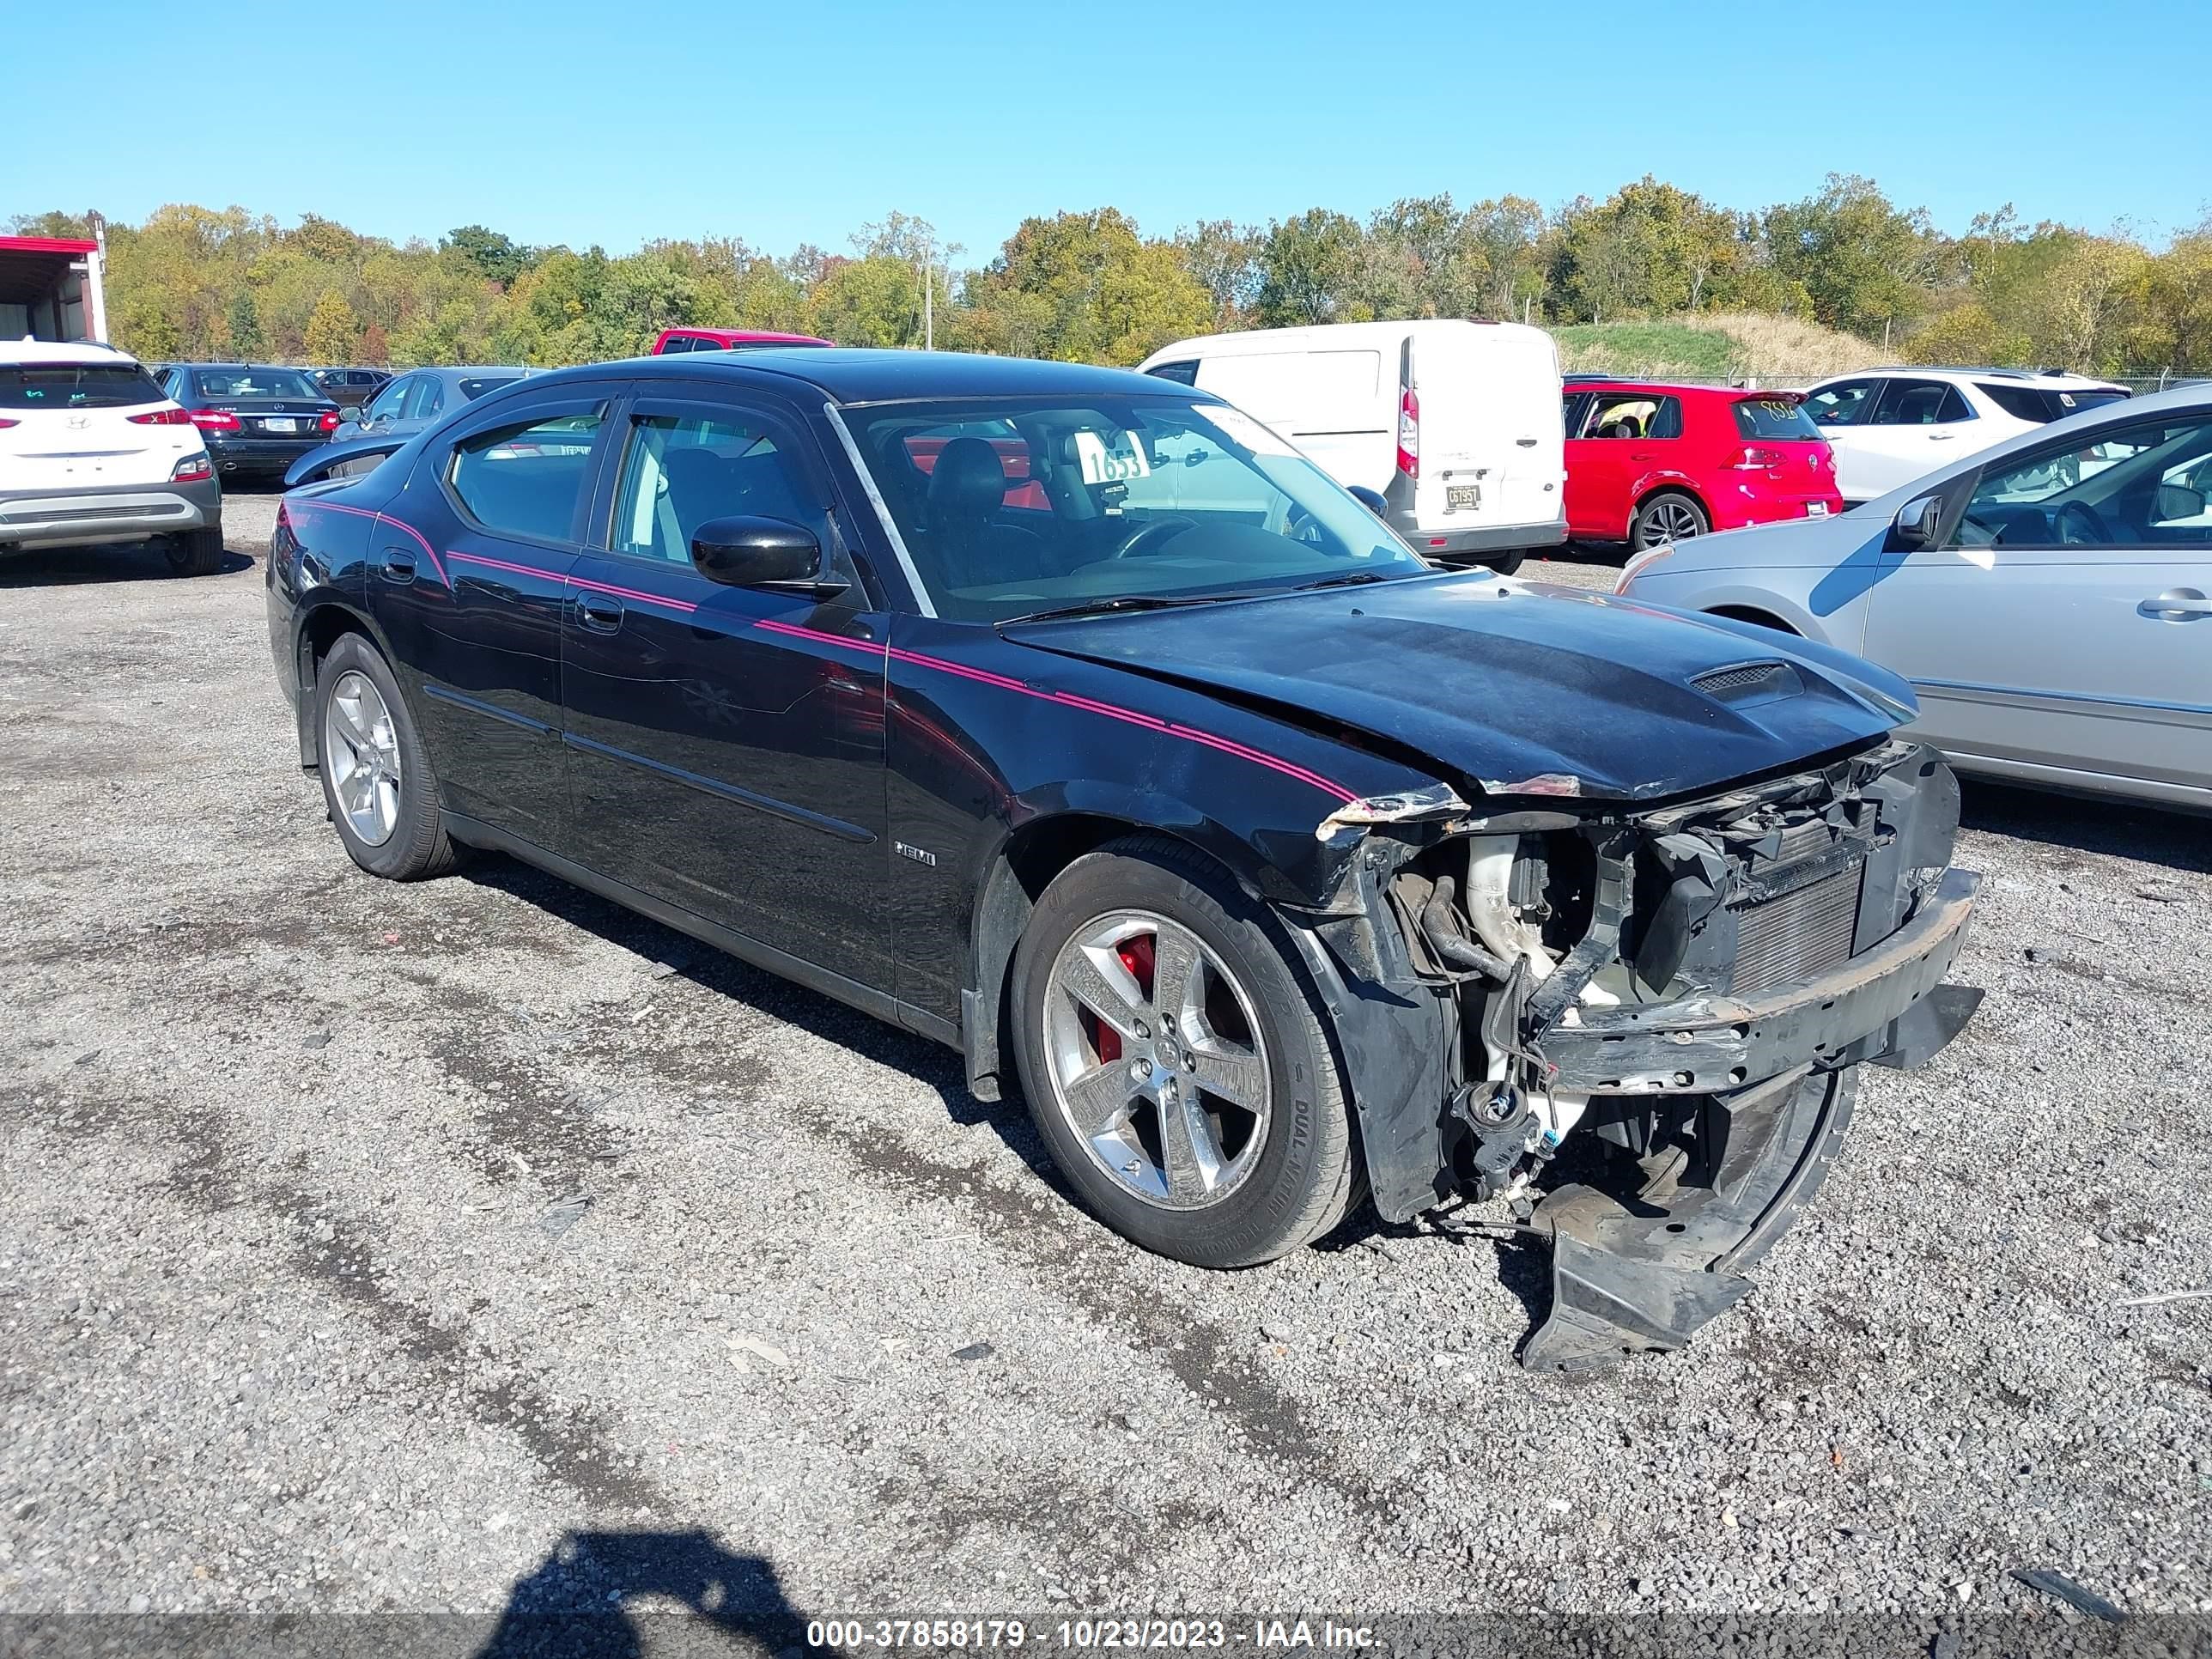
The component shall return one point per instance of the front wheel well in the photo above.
(1032, 856)
(1753, 614)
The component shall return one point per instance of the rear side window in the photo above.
(1182, 373)
(675, 342)
(1921, 403)
(2042, 404)
(1774, 417)
(1635, 415)
(525, 479)
(76, 386)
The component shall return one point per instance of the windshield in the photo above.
(256, 383)
(1016, 508)
(76, 385)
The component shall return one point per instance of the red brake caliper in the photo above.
(1136, 956)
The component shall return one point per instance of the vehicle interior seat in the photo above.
(973, 544)
(700, 488)
(1919, 406)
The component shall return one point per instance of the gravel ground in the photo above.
(365, 1248)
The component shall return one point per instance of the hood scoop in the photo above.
(1750, 683)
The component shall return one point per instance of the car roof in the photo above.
(60, 352)
(1334, 336)
(764, 336)
(1681, 388)
(2053, 378)
(851, 374)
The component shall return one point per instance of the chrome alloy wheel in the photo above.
(1156, 1059)
(361, 750)
(1668, 521)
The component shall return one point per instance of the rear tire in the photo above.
(195, 552)
(390, 829)
(1177, 1167)
(1508, 564)
(1669, 516)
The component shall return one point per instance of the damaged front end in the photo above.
(1692, 984)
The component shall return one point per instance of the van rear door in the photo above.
(1493, 454)
(1339, 407)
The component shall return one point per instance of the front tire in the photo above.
(1668, 517)
(377, 778)
(1176, 1060)
(195, 552)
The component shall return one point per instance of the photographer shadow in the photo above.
(588, 1601)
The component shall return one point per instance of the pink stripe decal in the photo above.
(500, 564)
(939, 664)
(1151, 723)
(381, 518)
(821, 638)
(684, 605)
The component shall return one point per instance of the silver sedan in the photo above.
(2050, 599)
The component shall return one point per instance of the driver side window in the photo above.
(2136, 486)
(385, 406)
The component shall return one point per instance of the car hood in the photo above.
(1516, 688)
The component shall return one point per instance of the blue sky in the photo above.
(609, 122)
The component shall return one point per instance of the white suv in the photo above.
(91, 452)
(1891, 426)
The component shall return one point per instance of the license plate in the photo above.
(1816, 509)
(280, 426)
(1463, 498)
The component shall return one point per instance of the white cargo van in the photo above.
(1456, 424)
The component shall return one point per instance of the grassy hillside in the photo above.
(1716, 346)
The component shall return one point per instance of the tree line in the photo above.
(194, 282)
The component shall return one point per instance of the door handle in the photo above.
(1642, 455)
(1941, 437)
(598, 613)
(1525, 443)
(399, 567)
(2176, 604)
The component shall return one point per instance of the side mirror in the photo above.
(1371, 498)
(2179, 501)
(1917, 522)
(750, 552)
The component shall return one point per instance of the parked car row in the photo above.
(2049, 598)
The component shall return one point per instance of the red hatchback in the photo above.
(1648, 463)
(728, 339)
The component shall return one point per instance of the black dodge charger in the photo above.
(1073, 718)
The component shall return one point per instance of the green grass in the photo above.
(1648, 350)
(1717, 346)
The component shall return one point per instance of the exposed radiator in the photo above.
(1798, 934)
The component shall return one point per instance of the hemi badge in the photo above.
(916, 853)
